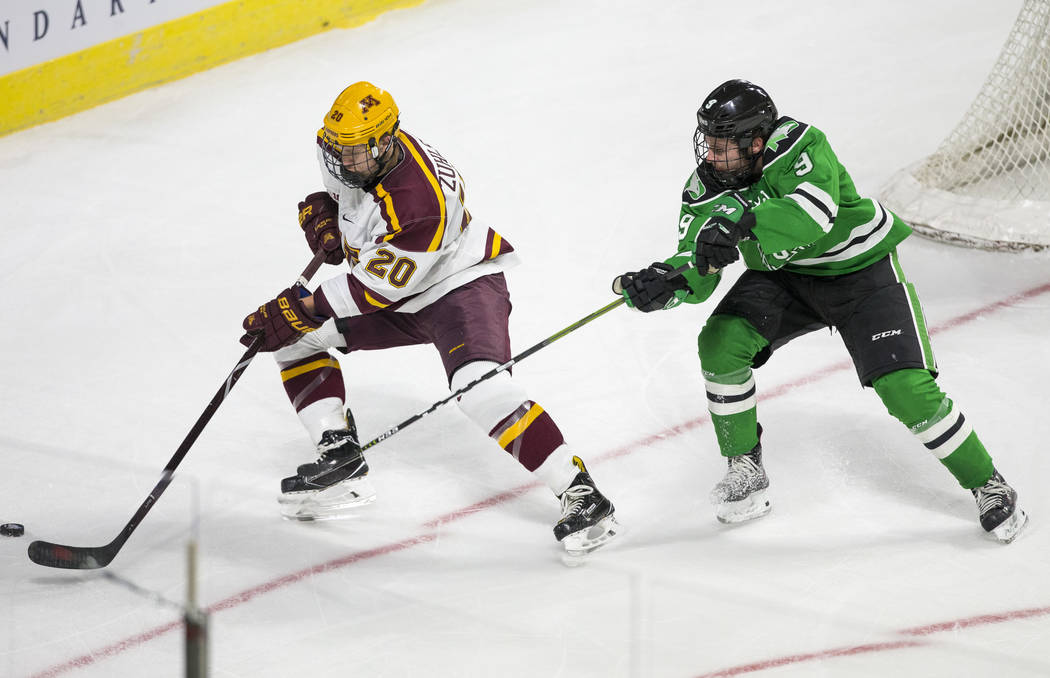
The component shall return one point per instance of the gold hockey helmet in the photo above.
(361, 114)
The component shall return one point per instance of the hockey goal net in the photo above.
(988, 185)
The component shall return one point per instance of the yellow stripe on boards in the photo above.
(170, 51)
(519, 426)
(308, 367)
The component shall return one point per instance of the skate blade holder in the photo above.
(755, 505)
(579, 545)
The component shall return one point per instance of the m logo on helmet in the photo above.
(367, 103)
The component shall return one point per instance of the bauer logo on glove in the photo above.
(279, 322)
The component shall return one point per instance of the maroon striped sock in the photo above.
(528, 434)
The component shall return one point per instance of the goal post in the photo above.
(988, 185)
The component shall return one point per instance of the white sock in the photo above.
(324, 415)
(557, 471)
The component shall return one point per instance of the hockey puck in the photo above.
(12, 529)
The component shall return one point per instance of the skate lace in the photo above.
(744, 476)
(573, 498)
(330, 459)
(742, 470)
(331, 441)
(991, 495)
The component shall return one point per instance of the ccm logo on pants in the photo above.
(883, 335)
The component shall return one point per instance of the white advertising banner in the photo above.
(35, 31)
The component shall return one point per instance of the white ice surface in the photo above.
(137, 235)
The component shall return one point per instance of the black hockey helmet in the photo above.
(739, 111)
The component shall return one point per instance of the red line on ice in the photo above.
(812, 656)
(930, 629)
(431, 527)
(975, 621)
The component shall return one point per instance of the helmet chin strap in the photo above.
(373, 143)
(752, 158)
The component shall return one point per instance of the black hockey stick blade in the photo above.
(72, 557)
(94, 557)
(49, 554)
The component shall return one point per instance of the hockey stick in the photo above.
(92, 557)
(494, 371)
(513, 361)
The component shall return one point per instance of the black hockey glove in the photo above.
(716, 242)
(650, 289)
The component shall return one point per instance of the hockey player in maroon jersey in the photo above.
(422, 271)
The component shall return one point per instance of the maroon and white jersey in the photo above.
(408, 240)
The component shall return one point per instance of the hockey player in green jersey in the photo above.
(770, 190)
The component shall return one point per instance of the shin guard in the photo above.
(913, 397)
(502, 409)
(728, 346)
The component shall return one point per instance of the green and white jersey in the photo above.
(809, 218)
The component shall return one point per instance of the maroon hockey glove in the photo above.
(319, 219)
(279, 322)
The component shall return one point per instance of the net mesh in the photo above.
(988, 184)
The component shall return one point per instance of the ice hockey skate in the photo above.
(331, 487)
(741, 494)
(997, 506)
(588, 519)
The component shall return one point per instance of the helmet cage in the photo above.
(719, 172)
(356, 169)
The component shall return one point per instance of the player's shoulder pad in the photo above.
(788, 136)
(414, 197)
